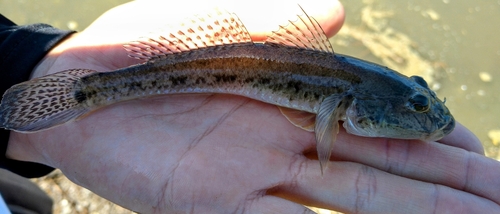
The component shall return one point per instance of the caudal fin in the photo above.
(42, 103)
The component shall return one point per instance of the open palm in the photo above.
(221, 153)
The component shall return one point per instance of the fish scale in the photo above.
(241, 68)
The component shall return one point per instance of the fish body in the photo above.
(313, 86)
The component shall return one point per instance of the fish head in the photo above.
(418, 114)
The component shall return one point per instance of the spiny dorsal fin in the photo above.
(216, 28)
(305, 32)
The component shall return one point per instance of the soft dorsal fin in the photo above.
(216, 28)
(305, 32)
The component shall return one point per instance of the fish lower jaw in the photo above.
(374, 131)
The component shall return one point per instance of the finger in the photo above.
(260, 17)
(426, 161)
(463, 138)
(264, 16)
(272, 204)
(355, 188)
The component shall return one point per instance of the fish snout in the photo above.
(449, 127)
(440, 133)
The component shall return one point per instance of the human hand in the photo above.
(222, 153)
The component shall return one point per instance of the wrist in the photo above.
(19, 146)
(24, 162)
(50, 59)
(18, 149)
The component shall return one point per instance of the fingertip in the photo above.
(330, 15)
(262, 18)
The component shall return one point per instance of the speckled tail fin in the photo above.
(42, 103)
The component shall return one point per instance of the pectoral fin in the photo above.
(301, 119)
(330, 112)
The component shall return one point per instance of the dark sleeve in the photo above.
(21, 48)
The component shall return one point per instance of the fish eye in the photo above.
(419, 80)
(420, 103)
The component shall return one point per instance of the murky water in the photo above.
(458, 39)
(455, 44)
(75, 15)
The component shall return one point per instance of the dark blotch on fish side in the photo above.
(200, 80)
(80, 96)
(178, 80)
(225, 77)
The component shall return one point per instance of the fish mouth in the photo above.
(445, 130)
(449, 127)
